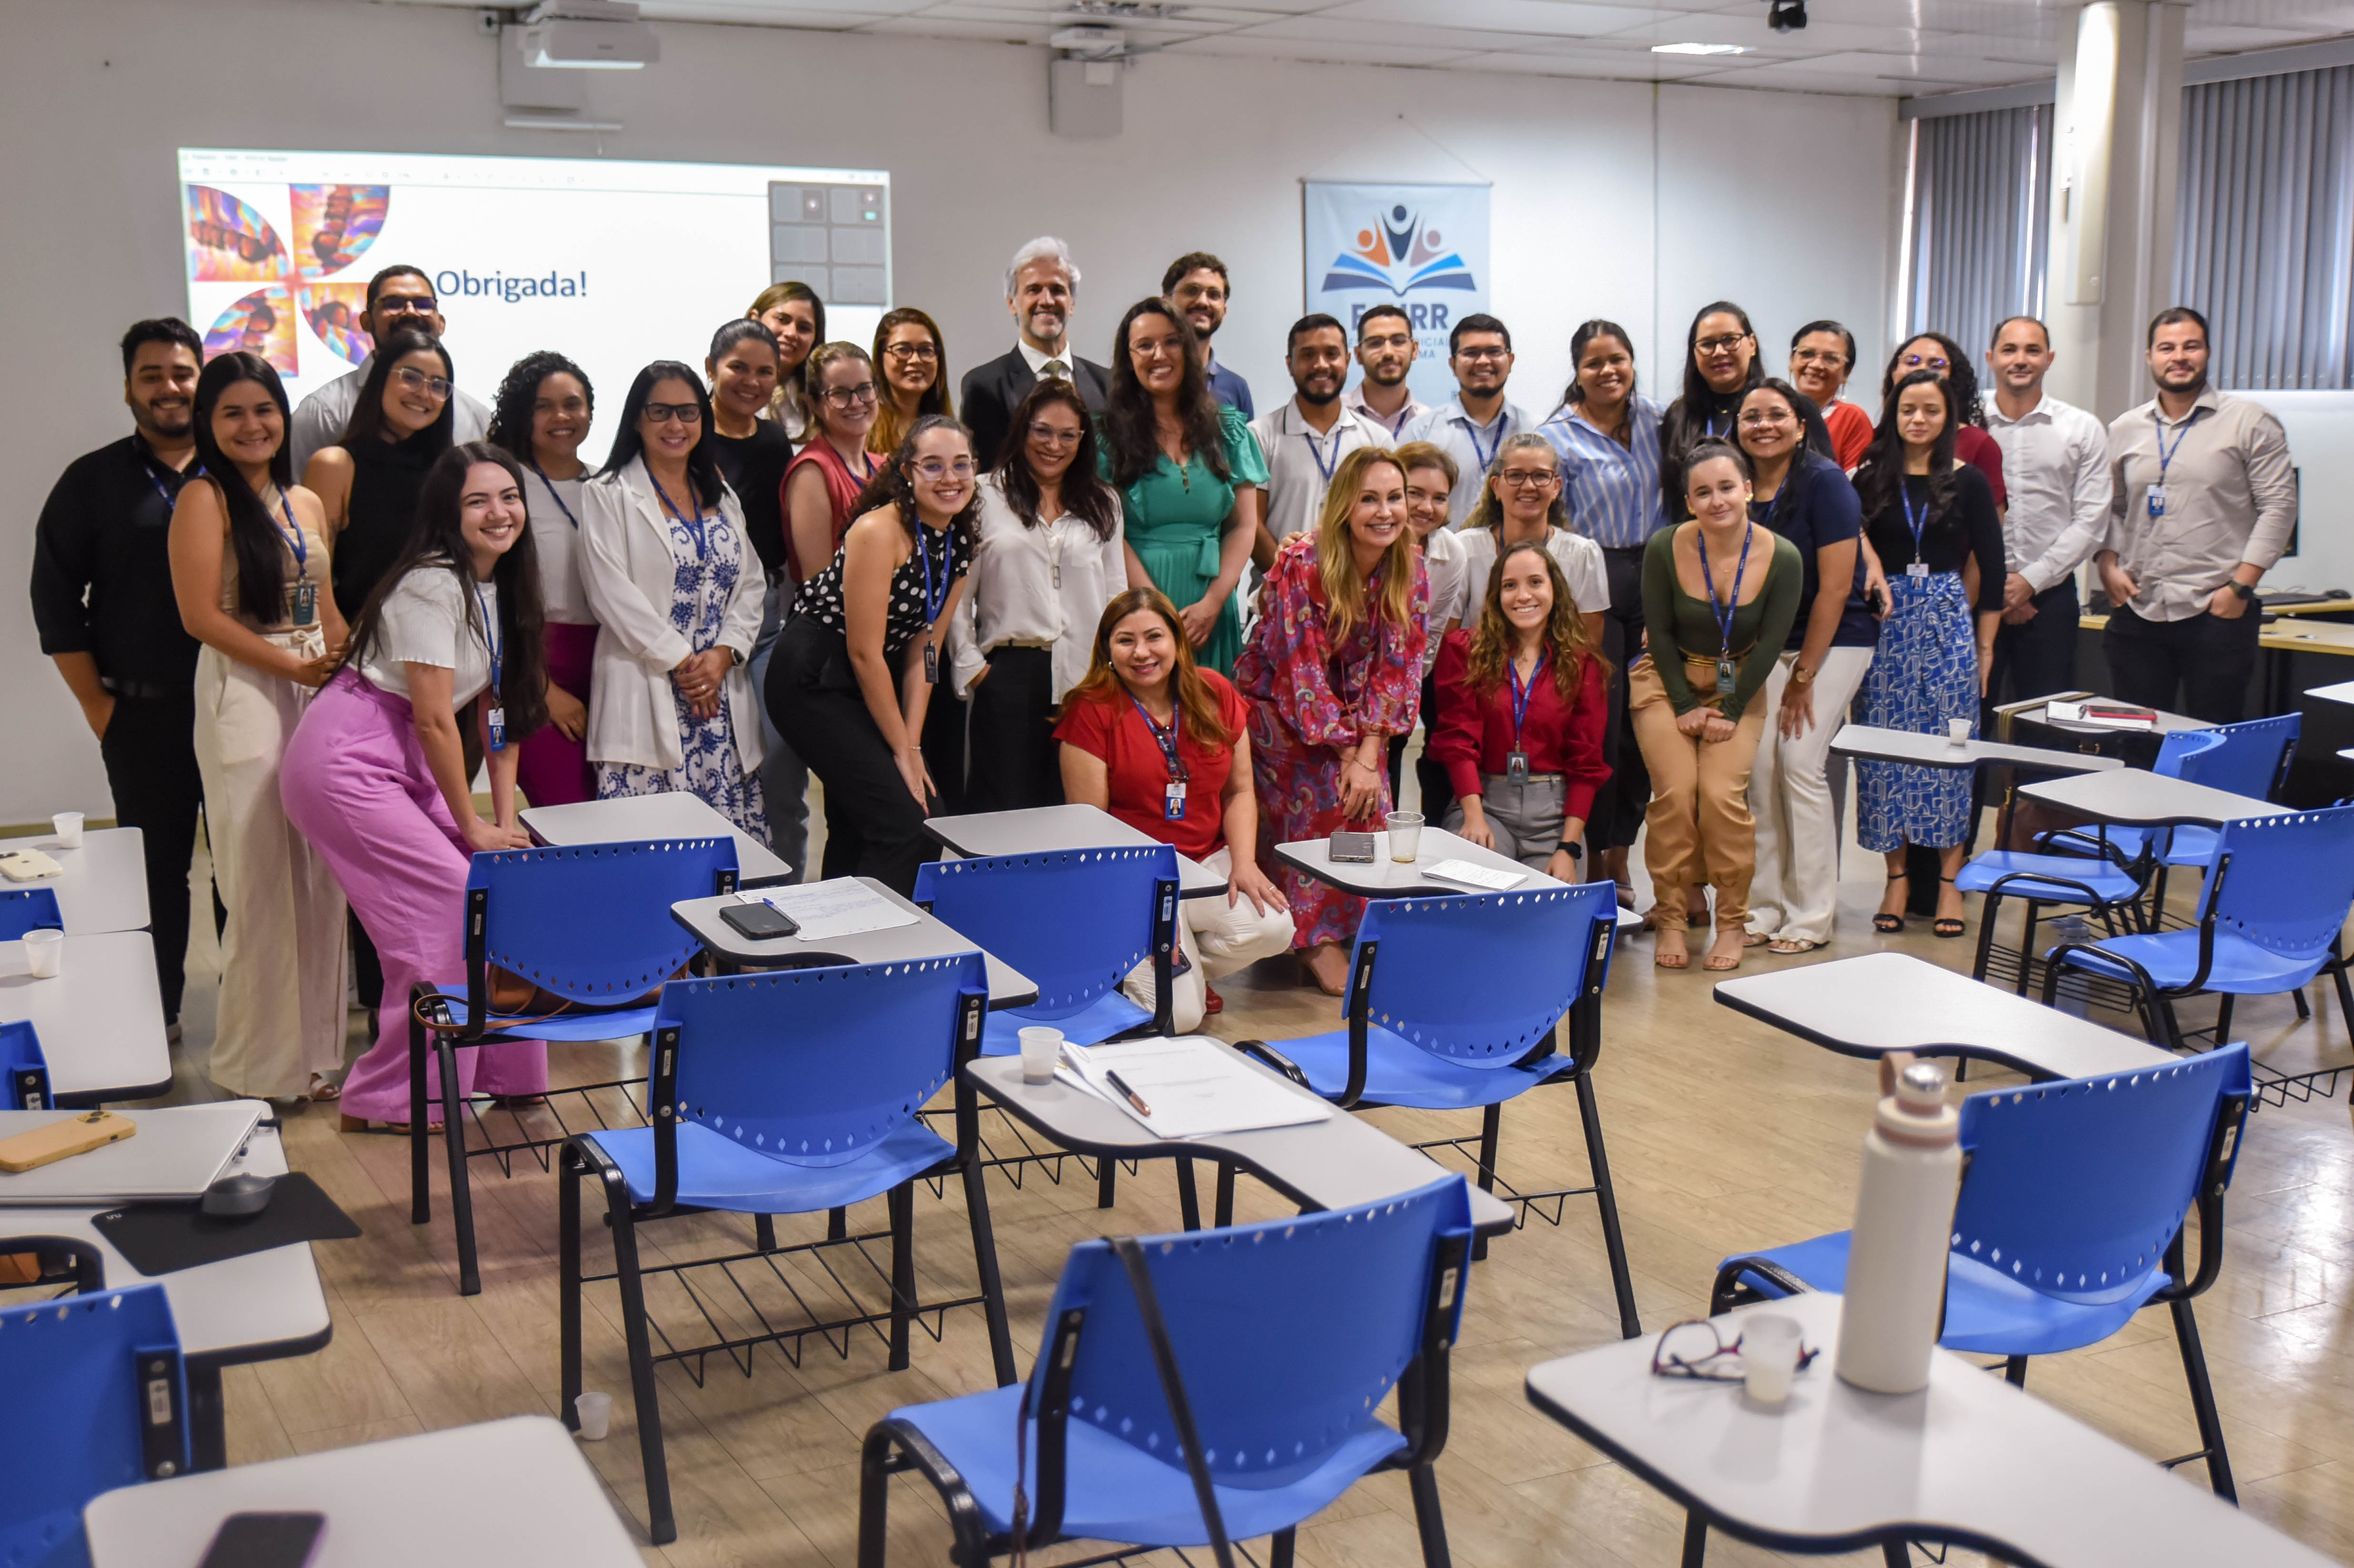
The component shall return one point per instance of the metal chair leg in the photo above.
(461, 1194)
(1281, 1547)
(902, 1202)
(1107, 1171)
(984, 1262)
(420, 1161)
(2223, 1019)
(1695, 1540)
(2014, 1371)
(645, 1395)
(2202, 1402)
(569, 1176)
(1622, 1279)
(1189, 1204)
(1226, 1200)
(837, 1225)
(1427, 1518)
(2027, 943)
(1987, 912)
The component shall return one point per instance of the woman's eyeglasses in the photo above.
(1725, 345)
(434, 387)
(1926, 362)
(1525, 478)
(667, 413)
(851, 397)
(923, 351)
(934, 470)
(1697, 1349)
(1048, 436)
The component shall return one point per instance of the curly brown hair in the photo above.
(1494, 640)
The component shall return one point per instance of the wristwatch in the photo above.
(1575, 851)
(1802, 676)
(2245, 590)
(735, 657)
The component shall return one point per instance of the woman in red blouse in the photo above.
(1522, 699)
(1334, 669)
(1159, 742)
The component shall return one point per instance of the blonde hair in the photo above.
(1487, 513)
(1344, 592)
(824, 357)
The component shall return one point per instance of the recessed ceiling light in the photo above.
(1699, 49)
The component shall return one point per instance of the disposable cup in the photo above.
(1042, 1048)
(1406, 836)
(1769, 1356)
(69, 829)
(596, 1411)
(45, 953)
(1957, 731)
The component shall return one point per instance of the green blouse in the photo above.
(1176, 519)
(1680, 624)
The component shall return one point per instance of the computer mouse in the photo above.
(2338, 593)
(234, 1197)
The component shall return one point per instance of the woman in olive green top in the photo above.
(1719, 596)
(1188, 471)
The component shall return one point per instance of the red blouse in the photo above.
(841, 489)
(1473, 735)
(1978, 448)
(1115, 731)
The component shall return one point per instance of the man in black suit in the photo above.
(1040, 286)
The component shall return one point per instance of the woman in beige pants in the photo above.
(1719, 596)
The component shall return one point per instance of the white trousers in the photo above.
(1217, 938)
(1795, 892)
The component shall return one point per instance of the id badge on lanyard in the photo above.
(1173, 801)
(494, 713)
(305, 609)
(1725, 677)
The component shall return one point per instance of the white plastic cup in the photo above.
(1406, 836)
(596, 1412)
(1041, 1049)
(69, 829)
(1957, 731)
(45, 952)
(1769, 1356)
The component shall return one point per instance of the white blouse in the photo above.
(1443, 560)
(554, 506)
(1579, 557)
(423, 622)
(1042, 586)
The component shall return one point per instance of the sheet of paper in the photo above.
(1464, 872)
(825, 910)
(1195, 1089)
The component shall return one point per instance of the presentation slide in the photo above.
(614, 264)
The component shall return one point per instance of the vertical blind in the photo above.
(1981, 221)
(2264, 236)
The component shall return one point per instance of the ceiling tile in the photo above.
(1255, 45)
(1544, 17)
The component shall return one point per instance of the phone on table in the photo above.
(266, 1541)
(1353, 849)
(760, 922)
(56, 1140)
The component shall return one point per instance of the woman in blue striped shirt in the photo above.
(1608, 439)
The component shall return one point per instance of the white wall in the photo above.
(1609, 200)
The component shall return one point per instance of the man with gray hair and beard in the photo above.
(1041, 282)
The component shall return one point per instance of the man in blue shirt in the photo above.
(1196, 287)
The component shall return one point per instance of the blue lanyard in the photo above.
(170, 500)
(2165, 452)
(1916, 523)
(552, 494)
(1725, 613)
(1165, 739)
(490, 638)
(1472, 430)
(932, 601)
(1522, 693)
(1318, 453)
(702, 540)
(294, 535)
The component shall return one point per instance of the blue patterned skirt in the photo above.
(1925, 674)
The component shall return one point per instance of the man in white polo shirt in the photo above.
(1474, 424)
(2055, 465)
(1305, 438)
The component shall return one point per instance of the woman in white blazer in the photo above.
(677, 589)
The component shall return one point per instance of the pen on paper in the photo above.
(1134, 1099)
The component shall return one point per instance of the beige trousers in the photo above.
(1699, 827)
(1219, 937)
(281, 989)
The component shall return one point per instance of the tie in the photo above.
(1057, 369)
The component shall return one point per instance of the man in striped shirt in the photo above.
(1385, 348)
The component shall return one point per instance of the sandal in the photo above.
(1211, 1002)
(1784, 947)
(1947, 925)
(324, 1089)
(1673, 960)
(1755, 938)
(1883, 921)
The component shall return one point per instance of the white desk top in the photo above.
(100, 886)
(1879, 745)
(2339, 692)
(635, 817)
(256, 1307)
(1879, 1002)
(981, 834)
(1383, 877)
(1970, 1458)
(490, 1496)
(1330, 1164)
(927, 939)
(100, 1017)
(174, 1152)
(2041, 714)
(2134, 798)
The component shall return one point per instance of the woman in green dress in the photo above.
(1189, 472)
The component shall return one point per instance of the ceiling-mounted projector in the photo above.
(588, 35)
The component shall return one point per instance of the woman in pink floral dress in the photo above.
(1333, 668)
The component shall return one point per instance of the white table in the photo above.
(1045, 829)
(1383, 877)
(2339, 691)
(1873, 743)
(1335, 1163)
(100, 1018)
(263, 1306)
(497, 1495)
(1970, 1460)
(633, 818)
(928, 938)
(101, 885)
(2131, 797)
(1879, 1002)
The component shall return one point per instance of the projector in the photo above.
(591, 43)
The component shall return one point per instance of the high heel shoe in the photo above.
(1883, 921)
(1947, 925)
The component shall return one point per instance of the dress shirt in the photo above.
(1473, 447)
(102, 571)
(1038, 359)
(1412, 409)
(319, 419)
(1612, 492)
(1473, 737)
(2055, 464)
(2231, 496)
(1229, 388)
(1579, 559)
(1037, 587)
(1448, 568)
(1300, 462)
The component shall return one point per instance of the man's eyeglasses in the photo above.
(665, 413)
(1047, 435)
(1484, 356)
(1729, 342)
(934, 470)
(851, 397)
(1394, 340)
(403, 306)
(1697, 1349)
(434, 387)
(1525, 478)
(919, 351)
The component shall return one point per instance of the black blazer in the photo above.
(992, 390)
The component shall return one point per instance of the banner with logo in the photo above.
(1423, 248)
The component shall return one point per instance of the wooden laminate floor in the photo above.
(1722, 1135)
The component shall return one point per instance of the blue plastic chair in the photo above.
(96, 1400)
(24, 909)
(2176, 749)
(784, 1092)
(1252, 1409)
(1452, 1005)
(2070, 1221)
(2275, 898)
(2250, 759)
(588, 924)
(26, 1066)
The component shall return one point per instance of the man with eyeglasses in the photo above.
(1305, 438)
(1386, 350)
(1196, 287)
(1473, 425)
(399, 296)
(2202, 499)
(1042, 283)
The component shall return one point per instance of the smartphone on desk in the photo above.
(761, 922)
(1351, 849)
(266, 1541)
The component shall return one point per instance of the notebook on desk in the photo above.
(180, 1150)
(1190, 1086)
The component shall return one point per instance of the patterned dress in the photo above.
(1312, 700)
(709, 559)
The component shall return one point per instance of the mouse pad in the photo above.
(164, 1239)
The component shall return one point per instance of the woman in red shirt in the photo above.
(1160, 743)
(1522, 701)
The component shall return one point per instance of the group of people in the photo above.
(1120, 585)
